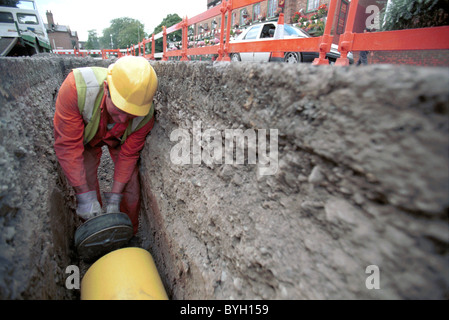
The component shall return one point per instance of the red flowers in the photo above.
(322, 10)
(322, 7)
(296, 16)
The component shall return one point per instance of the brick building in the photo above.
(61, 37)
(268, 9)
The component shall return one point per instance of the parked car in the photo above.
(265, 31)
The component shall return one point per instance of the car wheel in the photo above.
(235, 57)
(292, 57)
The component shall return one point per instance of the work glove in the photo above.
(113, 202)
(87, 205)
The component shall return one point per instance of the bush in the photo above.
(409, 14)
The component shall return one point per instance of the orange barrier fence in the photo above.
(143, 46)
(115, 52)
(224, 47)
(78, 53)
(103, 52)
(410, 39)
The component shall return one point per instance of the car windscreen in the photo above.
(25, 4)
(27, 18)
(292, 31)
(253, 33)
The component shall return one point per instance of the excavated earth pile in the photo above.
(361, 181)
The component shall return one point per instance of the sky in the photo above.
(84, 15)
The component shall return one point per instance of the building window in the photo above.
(212, 3)
(256, 11)
(272, 6)
(234, 15)
(312, 5)
(243, 16)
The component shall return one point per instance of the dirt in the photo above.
(362, 181)
(36, 203)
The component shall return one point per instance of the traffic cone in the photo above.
(278, 56)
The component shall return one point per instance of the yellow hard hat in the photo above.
(132, 83)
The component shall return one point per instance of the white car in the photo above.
(265, 31)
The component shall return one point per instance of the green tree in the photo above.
(9, 3)
(123, 32)
(408, 14)
(168, 21)
(107, 40)
(92, 42)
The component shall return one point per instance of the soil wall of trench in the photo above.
(361, 179)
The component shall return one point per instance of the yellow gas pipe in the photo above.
(124, 274)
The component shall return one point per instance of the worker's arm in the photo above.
(69, 147)
(81, 189)
(128, 156)
(125, 164)
(117, 187)
(69, 132)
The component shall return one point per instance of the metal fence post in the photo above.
(326, 38)
(221, 47)
(164, 43)
(153, 47)
(229, 8)
(184, 42)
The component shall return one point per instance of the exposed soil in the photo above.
(362, 180)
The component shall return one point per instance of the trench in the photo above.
(362, 179)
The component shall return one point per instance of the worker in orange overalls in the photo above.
(105, 106)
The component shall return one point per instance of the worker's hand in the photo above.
(87, 205)
(113, 202)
